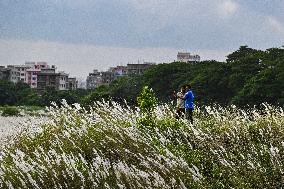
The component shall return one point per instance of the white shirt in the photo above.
(180, 101)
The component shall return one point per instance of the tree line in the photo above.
(248, 77)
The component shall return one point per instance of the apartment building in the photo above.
(38, 75)
(14, 75)
(57, 81)
(47, 80)
(63, 81)
(118, 71)
(72, 83)
(133, 69)
(94, 80)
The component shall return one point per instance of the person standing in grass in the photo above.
(180, 102)
(189, 105)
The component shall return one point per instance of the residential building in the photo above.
(107, 77)
(59, 81)
(138, 68)
(31, 76)
(5, 73)
(47, 80)
(34, 69)
(14, 75)
(94, 80)
(48, 70)
(63, 81)
(119, 71)
(21, 72)
(72, 83)
(27, 72)
(187, 57)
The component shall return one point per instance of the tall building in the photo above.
(94, 80)
(187, 57)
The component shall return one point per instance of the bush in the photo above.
(10, 111)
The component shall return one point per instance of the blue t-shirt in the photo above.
(189, 97)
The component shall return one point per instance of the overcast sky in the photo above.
(81, 35)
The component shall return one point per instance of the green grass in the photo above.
(25, 110)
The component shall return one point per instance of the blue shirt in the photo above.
(189, 97)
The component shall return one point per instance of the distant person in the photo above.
(180, 102)
(189, 105)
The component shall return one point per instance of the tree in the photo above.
(7, 93)
(147, 100)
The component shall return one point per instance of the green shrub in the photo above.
(147, 100)
(10, 111)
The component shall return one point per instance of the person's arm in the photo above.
(185, 96)
(180, 95)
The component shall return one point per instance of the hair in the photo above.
(188, 85)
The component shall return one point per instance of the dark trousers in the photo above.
(188, 115)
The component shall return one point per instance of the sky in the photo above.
(81, 35)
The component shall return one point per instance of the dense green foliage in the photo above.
(20, 94)
(147, 100)
(248, 77)
(10, 111)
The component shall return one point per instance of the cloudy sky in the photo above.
(81, 35)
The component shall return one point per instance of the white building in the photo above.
(63, 81)
(187, 57)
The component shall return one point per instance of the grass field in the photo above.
(116, 146)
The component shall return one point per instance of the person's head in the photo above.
(182, 88)
(187, 87)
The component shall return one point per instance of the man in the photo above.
(189, 106)
(180, 102)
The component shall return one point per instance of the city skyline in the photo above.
(79, 36)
